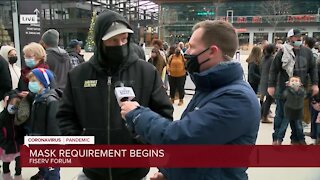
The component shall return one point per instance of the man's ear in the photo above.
(213, 49)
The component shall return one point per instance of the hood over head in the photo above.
(4, 51)
(109, 24)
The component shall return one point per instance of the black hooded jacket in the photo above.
(11, 136)
(5, 78)
(89, 105)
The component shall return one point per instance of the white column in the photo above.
(310, 34)
(270, 35)
(251, 39)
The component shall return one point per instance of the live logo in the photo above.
(28, 19)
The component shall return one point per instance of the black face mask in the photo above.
(114, 55)
(12, 59)
(192, 62)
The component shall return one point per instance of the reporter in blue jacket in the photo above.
(224, 109)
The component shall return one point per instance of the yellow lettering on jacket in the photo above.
(90, 83)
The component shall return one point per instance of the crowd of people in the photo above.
(57, 93)
(271, 68)
(29, 96)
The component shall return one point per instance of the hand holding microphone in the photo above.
(124, 96)
(128, 106)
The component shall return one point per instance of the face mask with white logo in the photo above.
(11, 109)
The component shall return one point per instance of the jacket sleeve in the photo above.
(285, 94)
(313, 69)
(275, 68)
(257, 72)
(66, 116)
(218, 122)
(5, 78)
(51, 61)
(52, 123)
(159, 100)
(21, 84)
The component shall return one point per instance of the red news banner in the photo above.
(171, 156)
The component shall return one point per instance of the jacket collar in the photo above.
(220, 75)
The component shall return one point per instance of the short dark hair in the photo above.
(310, 42)
(269, 50)
(220, 33)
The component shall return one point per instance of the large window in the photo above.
(279, 36)
(179, 19)
(243, 41)
(6, 30)
(187, 13)
(259, 37)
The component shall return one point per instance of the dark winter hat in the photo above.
(51, 38)
(74, 42)
(45, 76)
(294, 32)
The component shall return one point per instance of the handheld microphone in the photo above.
(124, 94)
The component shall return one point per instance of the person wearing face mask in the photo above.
(11, 137)
(224, 109)
(177, 75)
(293, 96)
(292, 60)
(157, 60)
(43, 113)
(10, 55)
(89, 105)
(34, 57)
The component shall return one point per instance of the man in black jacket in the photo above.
(5, 79)
(89, 105)
(292, 60)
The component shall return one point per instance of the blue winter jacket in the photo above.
(230, 116)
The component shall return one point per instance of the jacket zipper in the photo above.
(108, 117)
